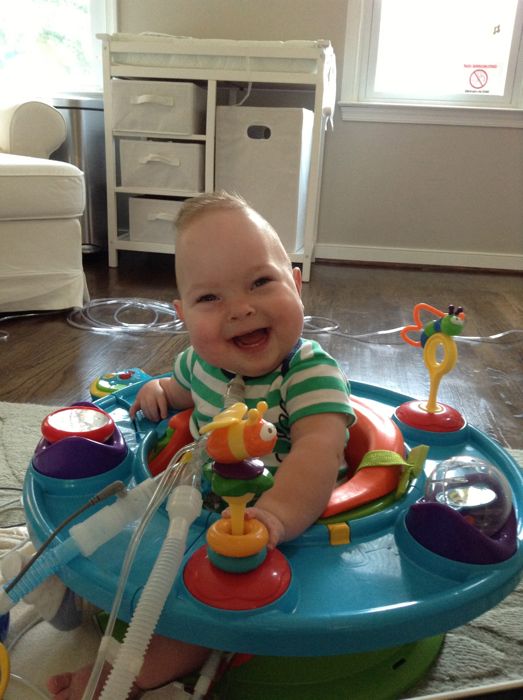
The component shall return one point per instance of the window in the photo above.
(50, 46)
(419, 57)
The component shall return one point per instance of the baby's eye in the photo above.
(261, 281)
(206, 298)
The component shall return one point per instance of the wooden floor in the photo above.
(46, 360)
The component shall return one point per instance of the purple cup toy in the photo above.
(78, 457)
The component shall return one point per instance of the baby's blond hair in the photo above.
(208, 201)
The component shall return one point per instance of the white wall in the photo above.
(390, 192)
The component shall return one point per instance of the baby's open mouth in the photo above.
(252, 339)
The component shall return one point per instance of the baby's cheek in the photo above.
(210, 347)
(204, 336)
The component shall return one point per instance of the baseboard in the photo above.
(419, 256)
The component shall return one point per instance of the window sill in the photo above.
(433, 114)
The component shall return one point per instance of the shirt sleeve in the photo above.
(182, 370)
(315, 384)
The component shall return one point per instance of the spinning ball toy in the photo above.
(475, 489)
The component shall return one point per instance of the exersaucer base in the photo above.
(445, 419)
(237, 591)
(380, 675)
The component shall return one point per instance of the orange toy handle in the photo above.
(438, 368)
(418, 325)
(181, 436)
(221, 540)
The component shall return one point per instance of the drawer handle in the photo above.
(157, 158)
(161, 216)
(164, 100)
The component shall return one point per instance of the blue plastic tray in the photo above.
(381, 590)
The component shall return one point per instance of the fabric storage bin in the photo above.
(162, 165)
(263, 153)
(158, 107)
(152, 220)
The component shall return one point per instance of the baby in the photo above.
(240, 302)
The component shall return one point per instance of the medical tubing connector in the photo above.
(84, 538)
(183, 506)
(38, 573)
(105, 524)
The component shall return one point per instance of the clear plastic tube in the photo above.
(100, 660)
(165, 320)
(166, 482)
(207, 675)
(162, 317)
(319, 325)
(36, 692)
(143, 623)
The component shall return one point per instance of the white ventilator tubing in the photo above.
(166, 481)
(183, 506)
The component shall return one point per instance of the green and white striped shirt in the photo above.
(308, 382)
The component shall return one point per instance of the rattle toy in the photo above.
(110, 382)
(238, 477)
(435, 337)
(236, 437)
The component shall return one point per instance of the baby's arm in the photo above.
(157, 396)
(305, 479)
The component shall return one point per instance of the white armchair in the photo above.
(41, 202)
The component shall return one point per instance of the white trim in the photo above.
(419, 256)
(423, 114)
(111, 16)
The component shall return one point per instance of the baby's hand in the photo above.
(152, 400)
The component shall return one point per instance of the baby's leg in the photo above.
(166, 660)
(71, 686)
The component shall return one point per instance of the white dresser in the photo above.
(162, 95)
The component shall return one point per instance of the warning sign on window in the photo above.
(479, 77)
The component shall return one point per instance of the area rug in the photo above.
(484, 655)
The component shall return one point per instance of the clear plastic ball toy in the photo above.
(476, 489)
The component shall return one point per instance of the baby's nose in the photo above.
(240, 309)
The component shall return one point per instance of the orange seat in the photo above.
(374, 430)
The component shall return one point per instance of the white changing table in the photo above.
(214, 66)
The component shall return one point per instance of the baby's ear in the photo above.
(296, 274)
(177, 303)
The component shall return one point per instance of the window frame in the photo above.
(103, 18)
(358, 104)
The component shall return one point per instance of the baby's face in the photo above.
(240, 300)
